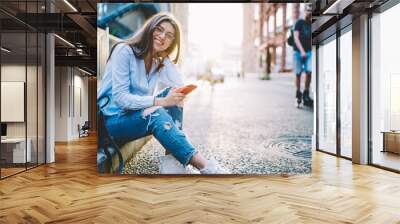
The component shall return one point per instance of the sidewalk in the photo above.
(249, 125)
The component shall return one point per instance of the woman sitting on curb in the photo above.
(134, 69)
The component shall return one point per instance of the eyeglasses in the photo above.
(160, 30)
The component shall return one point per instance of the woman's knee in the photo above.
(166, 120)
(176, 114)
(166, 117)
(161, 115)
(174, 109)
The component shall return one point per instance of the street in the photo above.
(250, 126)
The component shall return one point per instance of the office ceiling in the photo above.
(328, 12)
(74, 21)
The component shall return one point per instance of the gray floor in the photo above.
(250, 126)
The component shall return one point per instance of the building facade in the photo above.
(266, 29)
(250, 45)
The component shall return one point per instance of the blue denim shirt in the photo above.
(126, 84)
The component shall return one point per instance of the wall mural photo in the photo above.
(204, 88)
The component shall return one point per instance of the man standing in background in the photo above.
(302, 56)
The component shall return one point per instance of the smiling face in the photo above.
(158, 38)
(163, 37)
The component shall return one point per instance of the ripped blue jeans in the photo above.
(165, 124)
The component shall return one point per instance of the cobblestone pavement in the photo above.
(250, 126)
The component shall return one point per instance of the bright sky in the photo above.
(213, 24)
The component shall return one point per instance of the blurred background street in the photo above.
(248, 125)
(244, 112)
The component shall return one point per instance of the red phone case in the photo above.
(187, 89)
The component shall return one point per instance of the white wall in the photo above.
(70, 83)
(61, 103)
(79, 117)
(33, 126)
(14, 73)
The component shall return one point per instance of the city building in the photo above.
(250, 39)
(266, 29)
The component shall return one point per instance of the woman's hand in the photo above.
(173, 98)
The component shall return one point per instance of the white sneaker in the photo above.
(191, 170)
(213, 167)
(170, 165)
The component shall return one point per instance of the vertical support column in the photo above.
(262, 20)
(50, 93)
(274, 36)
(338, 96)
(360, 90)
(284, 31)
(314, 86)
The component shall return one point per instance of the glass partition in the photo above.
(31, 97)
(327, 96)
(22, 89)
(385, 89)
(13, 86)
(346, 93)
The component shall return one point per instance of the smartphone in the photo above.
(187, 89)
